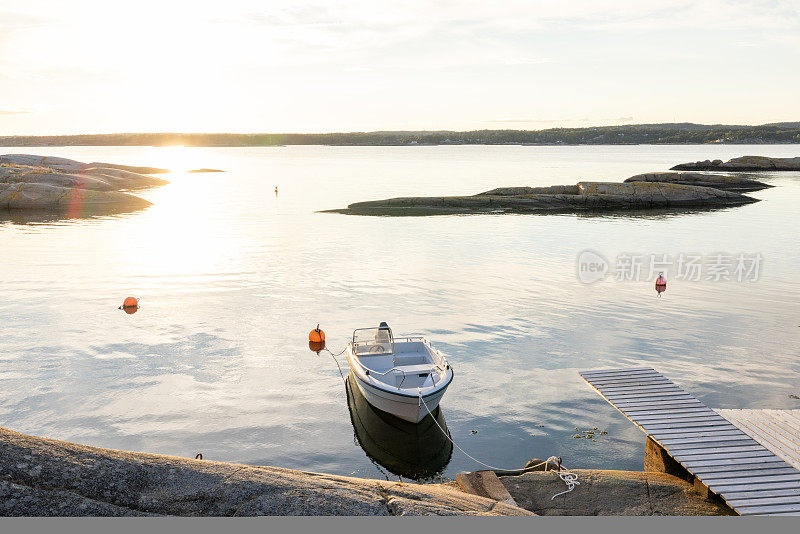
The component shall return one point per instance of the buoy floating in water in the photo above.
(316, 346)
(130, 305)
(661, 284)
(316, 335)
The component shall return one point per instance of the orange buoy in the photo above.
(316, 346)
(316, 335)
(130, 305)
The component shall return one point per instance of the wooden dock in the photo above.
(727, 452)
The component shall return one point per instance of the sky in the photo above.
(94, 66)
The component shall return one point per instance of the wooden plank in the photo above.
(633, 377)
(667, 432)
(635, 389)
(645, 381)
(721, 462)
(624, 404)
(744, 456)
(636, 413)
(757, 494)
(718, 472)
(633, 415)
(646, 403)
(751, 510)
(632, 380)
(622, 397)
(687, 425)
(735, 440)
(712, 449)
(702, 433)
(723, 489)
(616, 371)
(667, 443)
(755, 501)
(659, 425)
(755, 451)
(677, 418)
(764, 479)
(621, 377)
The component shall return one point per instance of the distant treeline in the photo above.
(680, 133)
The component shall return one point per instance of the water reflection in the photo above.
(414, 451)
(27, 216)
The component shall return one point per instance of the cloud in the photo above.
(10, 112)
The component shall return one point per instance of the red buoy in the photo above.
(316, 346)
(661, 284)
(316, 335)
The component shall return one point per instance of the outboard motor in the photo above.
(384, 333)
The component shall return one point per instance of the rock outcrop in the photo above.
(603, 492)
(584, 196)
(45, 477)
(64, 164)
(29, 182)
(717, 181)
(744, 163)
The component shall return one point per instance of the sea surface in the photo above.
(232, 277)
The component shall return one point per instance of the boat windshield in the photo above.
(376, 341)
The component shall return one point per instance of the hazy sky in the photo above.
(87, 66)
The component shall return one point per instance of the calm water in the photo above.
(232, 278)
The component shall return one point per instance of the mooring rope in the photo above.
(337, 361)
(569, 478)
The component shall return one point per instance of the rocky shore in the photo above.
(584, 196)
(742, 164)
(648, 191)
(46, 477)
(701, 179)
(42, 183)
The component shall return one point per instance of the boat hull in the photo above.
(417, 451)
(405, 407)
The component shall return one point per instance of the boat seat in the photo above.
(410, 358)
(418, 369)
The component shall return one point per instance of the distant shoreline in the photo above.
(635, 134)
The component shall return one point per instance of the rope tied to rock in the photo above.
(569, 478)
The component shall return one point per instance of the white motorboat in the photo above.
(393, 373)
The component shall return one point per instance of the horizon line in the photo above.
(340, 132)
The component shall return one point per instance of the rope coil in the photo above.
(569, 478)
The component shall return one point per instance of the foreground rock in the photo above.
(611, 493)
(744, 163)
(717, 181)
(44, 477)
(29, 182)
(41, 196)
(584, 196)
